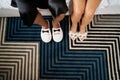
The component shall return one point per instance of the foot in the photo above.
(57, 33)
(73, 35)
(73, 32)
(82, 36)
(46, 34)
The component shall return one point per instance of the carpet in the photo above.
(23, 56)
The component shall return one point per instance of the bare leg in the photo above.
(78, 10)
(41, 21)
(56, 21)
(91, 6)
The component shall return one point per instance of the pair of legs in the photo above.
(83, 10)
(41, 21)
(46, 35)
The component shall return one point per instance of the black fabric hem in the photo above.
(28, 18)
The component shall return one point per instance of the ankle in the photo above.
(82, 30)
(55, 24)
(74, 28)
(46, 25)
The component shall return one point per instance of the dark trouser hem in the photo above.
(57, 7)
(28, 18)
(28, 11)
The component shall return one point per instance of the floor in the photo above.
(23, 56)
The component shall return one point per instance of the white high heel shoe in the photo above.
(83, 36)
(72, 35)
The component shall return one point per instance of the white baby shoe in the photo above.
(46, 34)
(57, 34)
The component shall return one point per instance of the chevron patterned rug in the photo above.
(23, 56)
